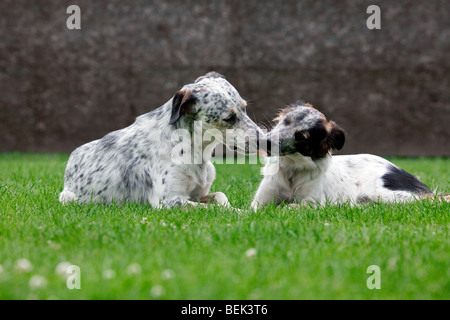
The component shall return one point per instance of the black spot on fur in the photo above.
(108, 141)
(317, 142)
(399, 179)
(299, 117)
(125, 175)
(313, 144)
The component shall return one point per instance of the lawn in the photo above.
(135, 252)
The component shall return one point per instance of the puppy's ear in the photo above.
(318, 141)
(283, 112)
(336, 137)
(182, 103)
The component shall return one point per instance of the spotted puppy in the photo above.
(304, 171)
(139, 163)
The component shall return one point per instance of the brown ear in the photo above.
(283, 112)
(181, 103)
(336, 137)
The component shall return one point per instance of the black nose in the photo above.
(265, 144)
(269, 146)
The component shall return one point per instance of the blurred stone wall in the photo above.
(388, 88)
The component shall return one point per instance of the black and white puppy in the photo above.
(304, 171)
(140, 163)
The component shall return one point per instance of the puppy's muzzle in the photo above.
(268, 146)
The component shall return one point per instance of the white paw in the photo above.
(67, 196)
(221, 199)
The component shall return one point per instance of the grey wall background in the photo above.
(388, 88)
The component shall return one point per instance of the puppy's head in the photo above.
(215, 104)
(301, 129)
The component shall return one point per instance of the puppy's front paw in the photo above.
(297, 205)
(221, 199)
(302, 205)
(217, 197)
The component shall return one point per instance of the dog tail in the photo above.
(67, 196)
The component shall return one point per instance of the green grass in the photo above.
(201, 253)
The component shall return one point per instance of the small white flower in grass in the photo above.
(53, 245)
(61, 269)
(157, 291)
(134, 268)
(256, 294)
(251, 253)
(167, 274)
(23, 265)
(326, 224)
(109, 274)
(144, 220)
(37, 282)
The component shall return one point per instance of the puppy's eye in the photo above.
(301, 135)
(230, 119)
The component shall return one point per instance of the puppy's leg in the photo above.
(300, 205)
(267, 192)
(179, 202)
(304, 203)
